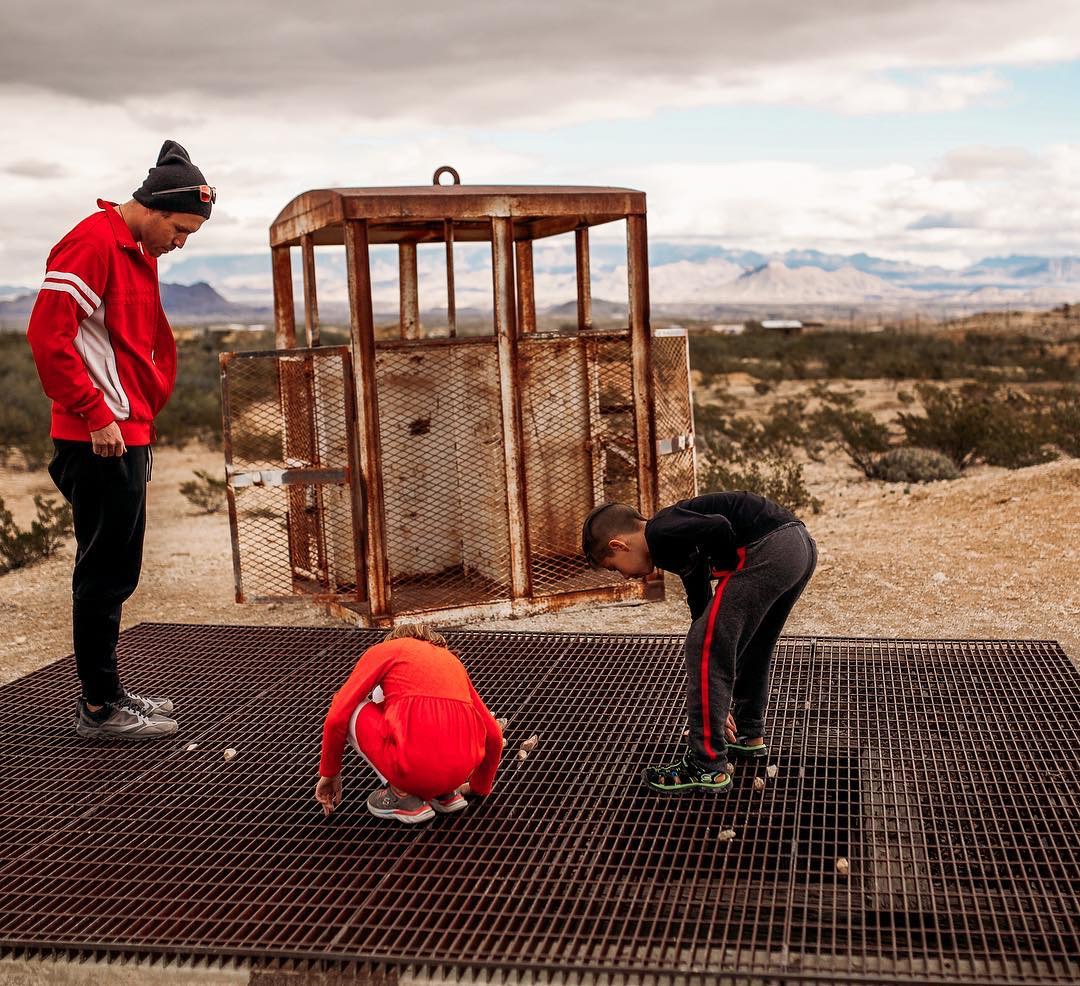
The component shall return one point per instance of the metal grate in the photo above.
(898, 756)
(674, 417)
(578, 449)
(444, 478)
(290, 462)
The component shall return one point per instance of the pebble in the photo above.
(726, 835)
(772, 770)
(938, 576)
(530, 744)
(522, 754)
(759, 783)
(20, 639)
(729, 767)
(191, 746)
(229, 753)
(842, 866)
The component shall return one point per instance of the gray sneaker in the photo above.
(125, 721)
(149, 706)
(385, 804)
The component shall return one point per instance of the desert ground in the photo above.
(995, 554)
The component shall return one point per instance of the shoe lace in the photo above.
(125, 702)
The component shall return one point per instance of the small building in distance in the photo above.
(728, 328)
(789, 326)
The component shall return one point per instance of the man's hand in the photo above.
(328, 793)
(729, 729)
(108, 441)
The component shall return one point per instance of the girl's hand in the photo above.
(328, 793)
(729, 729)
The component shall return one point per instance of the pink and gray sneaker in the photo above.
(447, 804)
(383, 803)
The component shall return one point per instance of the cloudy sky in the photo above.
(930, 130)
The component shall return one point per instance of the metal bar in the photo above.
(451, 300)
(641, 362)
(356, 498)
(287, 477)
(408, 291)
(502, 245)
(584, 283)
(526, 289)
(224, 359)
(362, 325)
(311, 300)
(284, 310)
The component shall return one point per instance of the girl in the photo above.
(411, 711)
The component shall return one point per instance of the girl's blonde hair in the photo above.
(418, 631)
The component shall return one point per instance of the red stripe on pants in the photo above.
(706, 646)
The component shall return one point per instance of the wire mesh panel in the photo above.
(565, 461)
(289, 428)
(897, 840)
(444, 476)
(675, 477)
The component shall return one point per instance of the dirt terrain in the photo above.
(994, 554)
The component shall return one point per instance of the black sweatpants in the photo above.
(108, 504)
(729, 648)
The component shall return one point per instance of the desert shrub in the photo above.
(48, 531)
(837, 422)
(914, 465)
(896, 355)
(776, 476)
(1000, 427)
(1061, 409)
(25, 416)
(205, 492)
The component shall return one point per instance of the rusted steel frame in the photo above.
(284, 312)
(356, 498)
(319, 520)
(502, 266)
(451, 301)
(584, 283)
(526, 286)
(595, 437)
(408, 291)
(288, 477)
(431, 342)
(311, 300)
(224, 359)
(362, 326)
(297, 406)
(641, 375)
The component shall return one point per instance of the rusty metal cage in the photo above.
(464, 463)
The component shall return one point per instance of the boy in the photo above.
(761, 557)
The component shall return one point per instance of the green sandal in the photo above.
(684, 775)
(741, 750)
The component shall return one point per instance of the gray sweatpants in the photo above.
(729, 648)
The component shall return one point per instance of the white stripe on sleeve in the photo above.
(74, 292)
(59, 275)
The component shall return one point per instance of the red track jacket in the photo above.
(100, 338)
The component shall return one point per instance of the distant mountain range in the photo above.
(182, 303)
(691, 277)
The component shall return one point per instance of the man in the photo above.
(107, 359)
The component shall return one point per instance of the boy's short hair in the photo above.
(605, 522)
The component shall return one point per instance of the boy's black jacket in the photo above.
(697, 536)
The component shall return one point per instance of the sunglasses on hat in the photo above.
(207, 193)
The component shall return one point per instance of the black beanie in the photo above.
(174, 170)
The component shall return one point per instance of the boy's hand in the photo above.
(328, 793)
(729, 729)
